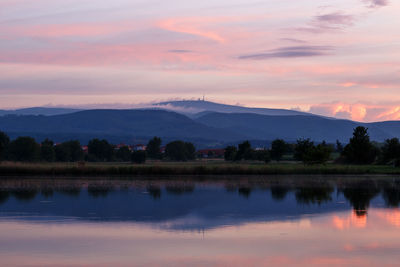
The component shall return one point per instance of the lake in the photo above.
(201, 221)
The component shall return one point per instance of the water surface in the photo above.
(253, 221)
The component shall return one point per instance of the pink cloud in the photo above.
(358, 111)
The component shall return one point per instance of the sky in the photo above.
(337, 58)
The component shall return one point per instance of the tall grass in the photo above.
(189, 168)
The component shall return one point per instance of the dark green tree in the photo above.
(244, 151)
(47, 152)
(301, 149)
(138, 157)
(190, 151)
(180, 151)
(391, 150)
(360, 150)
(278, 149)
(70, 151)
(24, 149)
(153, 148)
(319, 154)
(4, 142)
(230, 153)
(339, 146)
(124, 154)
(100, 150)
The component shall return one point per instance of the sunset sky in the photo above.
(338, 58)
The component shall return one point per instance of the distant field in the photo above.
(210, 167)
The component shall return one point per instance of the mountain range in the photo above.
(207, 124)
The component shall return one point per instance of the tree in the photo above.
(124, 154)
(244, 151)
(138, 157)
(230, 153)
(391, 150)
(180, 151)
(154, 148)
(319, 154)
(100, 150)
(4, 142)
(302, 147)
(190, 151)
(47, 152)
(360, 150)
(278, 149)
(69, 151)
(339, 146)
(24, 149)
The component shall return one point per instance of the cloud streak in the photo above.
(376, 3)
(291, 52)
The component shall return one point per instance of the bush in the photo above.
(319, 154)
(262, 155)
(138, 157)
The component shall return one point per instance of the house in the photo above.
(162, 149)
(85, 149)
(211, 153)
(139, 147)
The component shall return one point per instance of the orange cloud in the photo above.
(357, 111)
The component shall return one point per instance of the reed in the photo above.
(187, 168)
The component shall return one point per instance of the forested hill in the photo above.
(114, 123)
(291, 128)
(209, 129)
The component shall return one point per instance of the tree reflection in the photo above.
(360, 194)
(244, 191)
(99, 190)
(279, 192)
(73, 191)
(4, 196)
(154, 191)
(391, 194)
(47, 192)
(314, 195)
(25, 194)
(179, 189)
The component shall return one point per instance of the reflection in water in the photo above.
(360, 194)
(314, 195)
(279, 221)
(24, 194)
(278, 192)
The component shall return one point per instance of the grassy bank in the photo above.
(186, 168)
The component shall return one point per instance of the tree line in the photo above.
(26, 149)
(359, 150)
